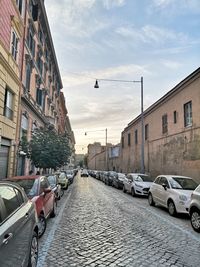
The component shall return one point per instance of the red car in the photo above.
(38, 189)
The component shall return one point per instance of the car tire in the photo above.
(195, 219)
(171, 208)
(53, 213)
(133, 192)
(124, 190)
(33, 255)
(61, 192)
(42, 225)
(150, 200)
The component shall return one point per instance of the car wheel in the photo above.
(195, 220)
(133, 192)
(61, 192)
(33, 256)
(42, 224)
(150, 200)
(124, 190)
(171, 208)
(53, 213)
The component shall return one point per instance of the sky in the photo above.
(158, 40)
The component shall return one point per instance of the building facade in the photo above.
(172, 133)
(41, 81)
(11, 42)
(64, 128)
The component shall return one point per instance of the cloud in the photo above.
(174, 6)
(108, 4)
(129, 71)
(151, 34)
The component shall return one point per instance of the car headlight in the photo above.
(183, 197)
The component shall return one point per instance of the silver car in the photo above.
(172, 192)
(194, 209)
(18, 227)
(137, 184)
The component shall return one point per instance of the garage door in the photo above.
(4, 153)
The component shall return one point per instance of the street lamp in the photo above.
(106, 139)
(142, 112)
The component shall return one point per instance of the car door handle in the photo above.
(26, 215)
(7, 237)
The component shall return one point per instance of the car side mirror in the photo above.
(47, 190)
(165, 186)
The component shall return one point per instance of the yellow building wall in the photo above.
(9, 74)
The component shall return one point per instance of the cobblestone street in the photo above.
(101, 226)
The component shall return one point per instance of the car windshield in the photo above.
(30, 186)
(62, 175)
(121, 176)
(143, 178)
(183, 183)
(52, 180)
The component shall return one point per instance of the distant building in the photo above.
(11, 42)
(172, 133)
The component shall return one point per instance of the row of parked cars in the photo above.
(25, 204)
(179, 194)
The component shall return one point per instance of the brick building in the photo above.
(172, 133)
(11, 32)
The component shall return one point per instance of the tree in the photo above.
(47, 149)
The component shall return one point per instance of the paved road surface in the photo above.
(98, 225)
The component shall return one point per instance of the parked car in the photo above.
(70, 176)
(137, 184)
(63, 180)
(84, 173)
(109, 177)
(118, 180)
(194, 209)
(38, 189)
(173, 192)
(18, 227)
(55, 186)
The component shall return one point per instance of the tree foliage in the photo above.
(47, 149)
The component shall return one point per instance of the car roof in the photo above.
(174, 176)
(31, 177)
(135, 173)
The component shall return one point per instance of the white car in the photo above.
(173, 192)
(137, 184)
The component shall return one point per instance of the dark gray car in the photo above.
(18, 227)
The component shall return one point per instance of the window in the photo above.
(19, 4)
(24, 126)
(122, 142)
(14, 45)
(11, 200)
(8, 104)
(40, 63)
(164, 124)
(129, 139)
(175, 116)
(40, 34)
(31, 41)
(33, 10)
(136, 137)
(188, 114)
(39, 96)
(146, 132)
(28, 76)
(163, 180)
